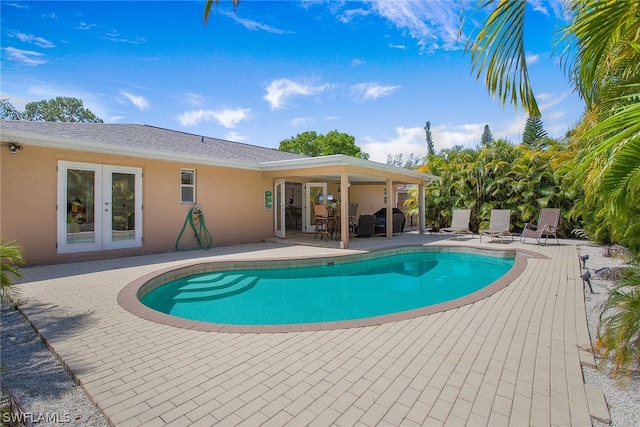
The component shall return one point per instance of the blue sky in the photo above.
(377, 70)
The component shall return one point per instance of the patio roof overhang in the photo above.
(331, 168)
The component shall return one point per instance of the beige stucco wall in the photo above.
(232, 200)
(370, 198)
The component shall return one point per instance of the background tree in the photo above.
(427, 130)
(312, 144)
(8, 111)
(534, 134)
(413, 162)
(496, 176)
(487, 136)
(306, 143)
(59, 109)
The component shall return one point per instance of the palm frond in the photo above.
(597, 28)
(498, 52)
(209, 4)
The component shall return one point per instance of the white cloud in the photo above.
(302, 121)
(306, 121)
(356, 62)
(397, 46)
(255, 25)
(234, 136)
(230, 118)
(539, 6)
(434, 23)
(115, 36)
(139, 101)
(26, 57)
(368, 91)
(279, 91)
(85, 26)
(466, 135)
(532, 58)
(227, 118)
(549, 100)
(29, 38)
(192, 118)
(407, 141)
(511, 130)
(194, 99)
(349, 15)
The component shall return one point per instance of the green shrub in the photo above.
(619, 329)
(10, 259)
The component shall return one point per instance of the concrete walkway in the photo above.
(513, 358)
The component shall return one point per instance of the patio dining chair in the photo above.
(353, 221)
(546, 226)
(321, 218)
(499, 224)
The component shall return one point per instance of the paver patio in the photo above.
(513, 358)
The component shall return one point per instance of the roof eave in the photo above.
(49, 141)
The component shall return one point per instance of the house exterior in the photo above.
(79, 191)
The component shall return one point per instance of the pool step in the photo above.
(241, 285)
(211, 281)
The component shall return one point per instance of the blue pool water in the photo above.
(327, 293)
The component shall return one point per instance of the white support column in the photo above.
(390, 201)
(344, 210)
(421, 194)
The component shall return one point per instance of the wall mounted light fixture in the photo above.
(14, 147)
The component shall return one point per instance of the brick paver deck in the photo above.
(513, 358)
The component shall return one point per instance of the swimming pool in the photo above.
(338, 289)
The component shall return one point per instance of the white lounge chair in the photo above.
(459, 223)
(499, 224)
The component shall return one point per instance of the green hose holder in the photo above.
(195, 218)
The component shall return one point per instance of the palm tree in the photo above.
(605, 69)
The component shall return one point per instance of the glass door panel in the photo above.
(123, 209)
(315, 193)
(122, 227)
(80, 215)
(279, 208)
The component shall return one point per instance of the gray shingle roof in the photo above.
(151, 138)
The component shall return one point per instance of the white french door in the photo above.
(315, 192)
(99, 207)
(279, 208)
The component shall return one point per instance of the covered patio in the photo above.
(346, 172)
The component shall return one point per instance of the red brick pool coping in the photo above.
(129, 296)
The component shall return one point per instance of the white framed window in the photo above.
(187, 186)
